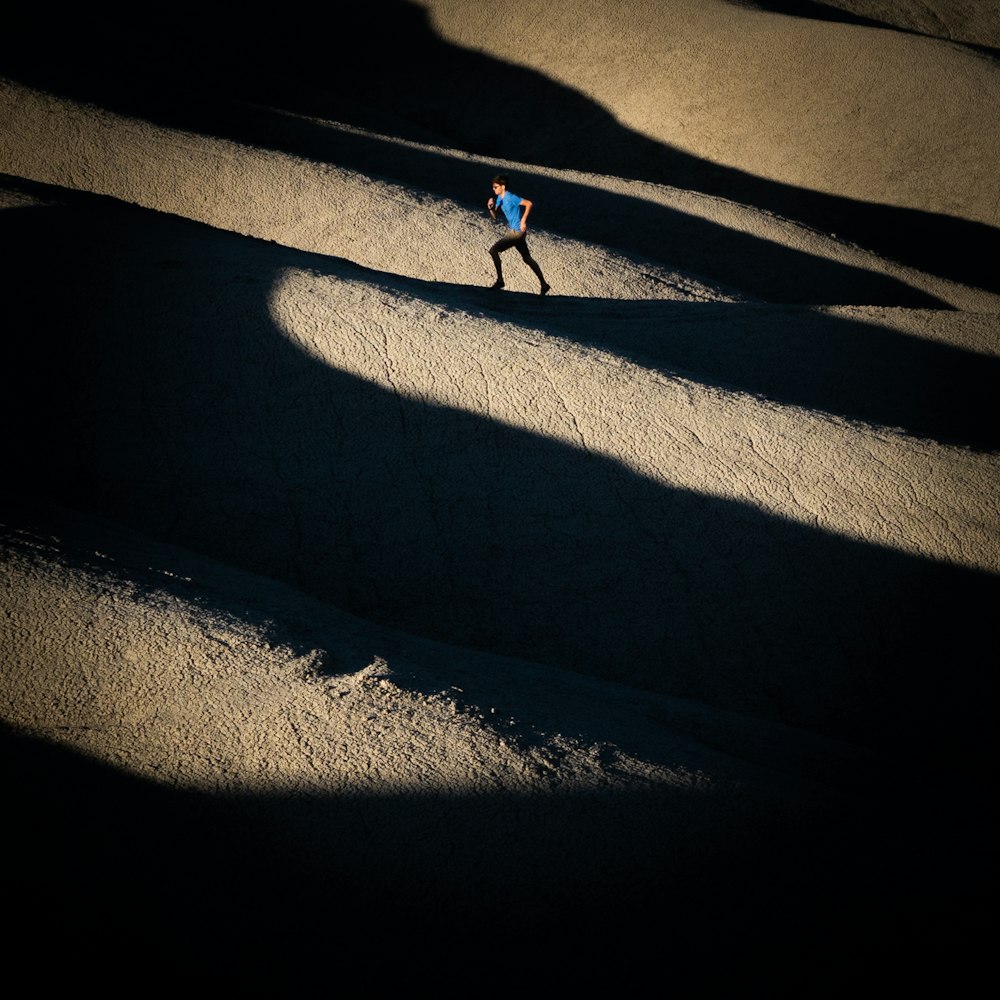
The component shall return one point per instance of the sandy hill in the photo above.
(360, 617)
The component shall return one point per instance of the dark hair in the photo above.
(500, 179)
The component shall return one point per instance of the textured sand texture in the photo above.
(361, 622)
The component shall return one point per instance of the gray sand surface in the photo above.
(361, 622)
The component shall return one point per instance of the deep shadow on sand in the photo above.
(154, 388)
(173, 404)
(738, 262)
(286, 893)
(818, 11)
(428, 90)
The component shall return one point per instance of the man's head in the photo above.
(499, 183)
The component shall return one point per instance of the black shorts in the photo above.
(513, 239)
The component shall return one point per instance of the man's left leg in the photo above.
(522, 249)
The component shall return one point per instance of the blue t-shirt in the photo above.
(510, 205)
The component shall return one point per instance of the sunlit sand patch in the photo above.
(187, 697)
(861, 482)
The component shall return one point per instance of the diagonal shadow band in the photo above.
(819, 11)
(829, 361)
(174, 404)
(409, 83)
(735, 260)
(269, 892)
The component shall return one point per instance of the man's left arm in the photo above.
(525, 209)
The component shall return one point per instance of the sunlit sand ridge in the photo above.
(353, 610)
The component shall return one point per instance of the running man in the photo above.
(517, 229)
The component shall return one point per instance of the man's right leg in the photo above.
(494, 251)
(495, 254)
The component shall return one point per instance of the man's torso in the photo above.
(510, 205)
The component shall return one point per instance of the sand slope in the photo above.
(355, 610)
